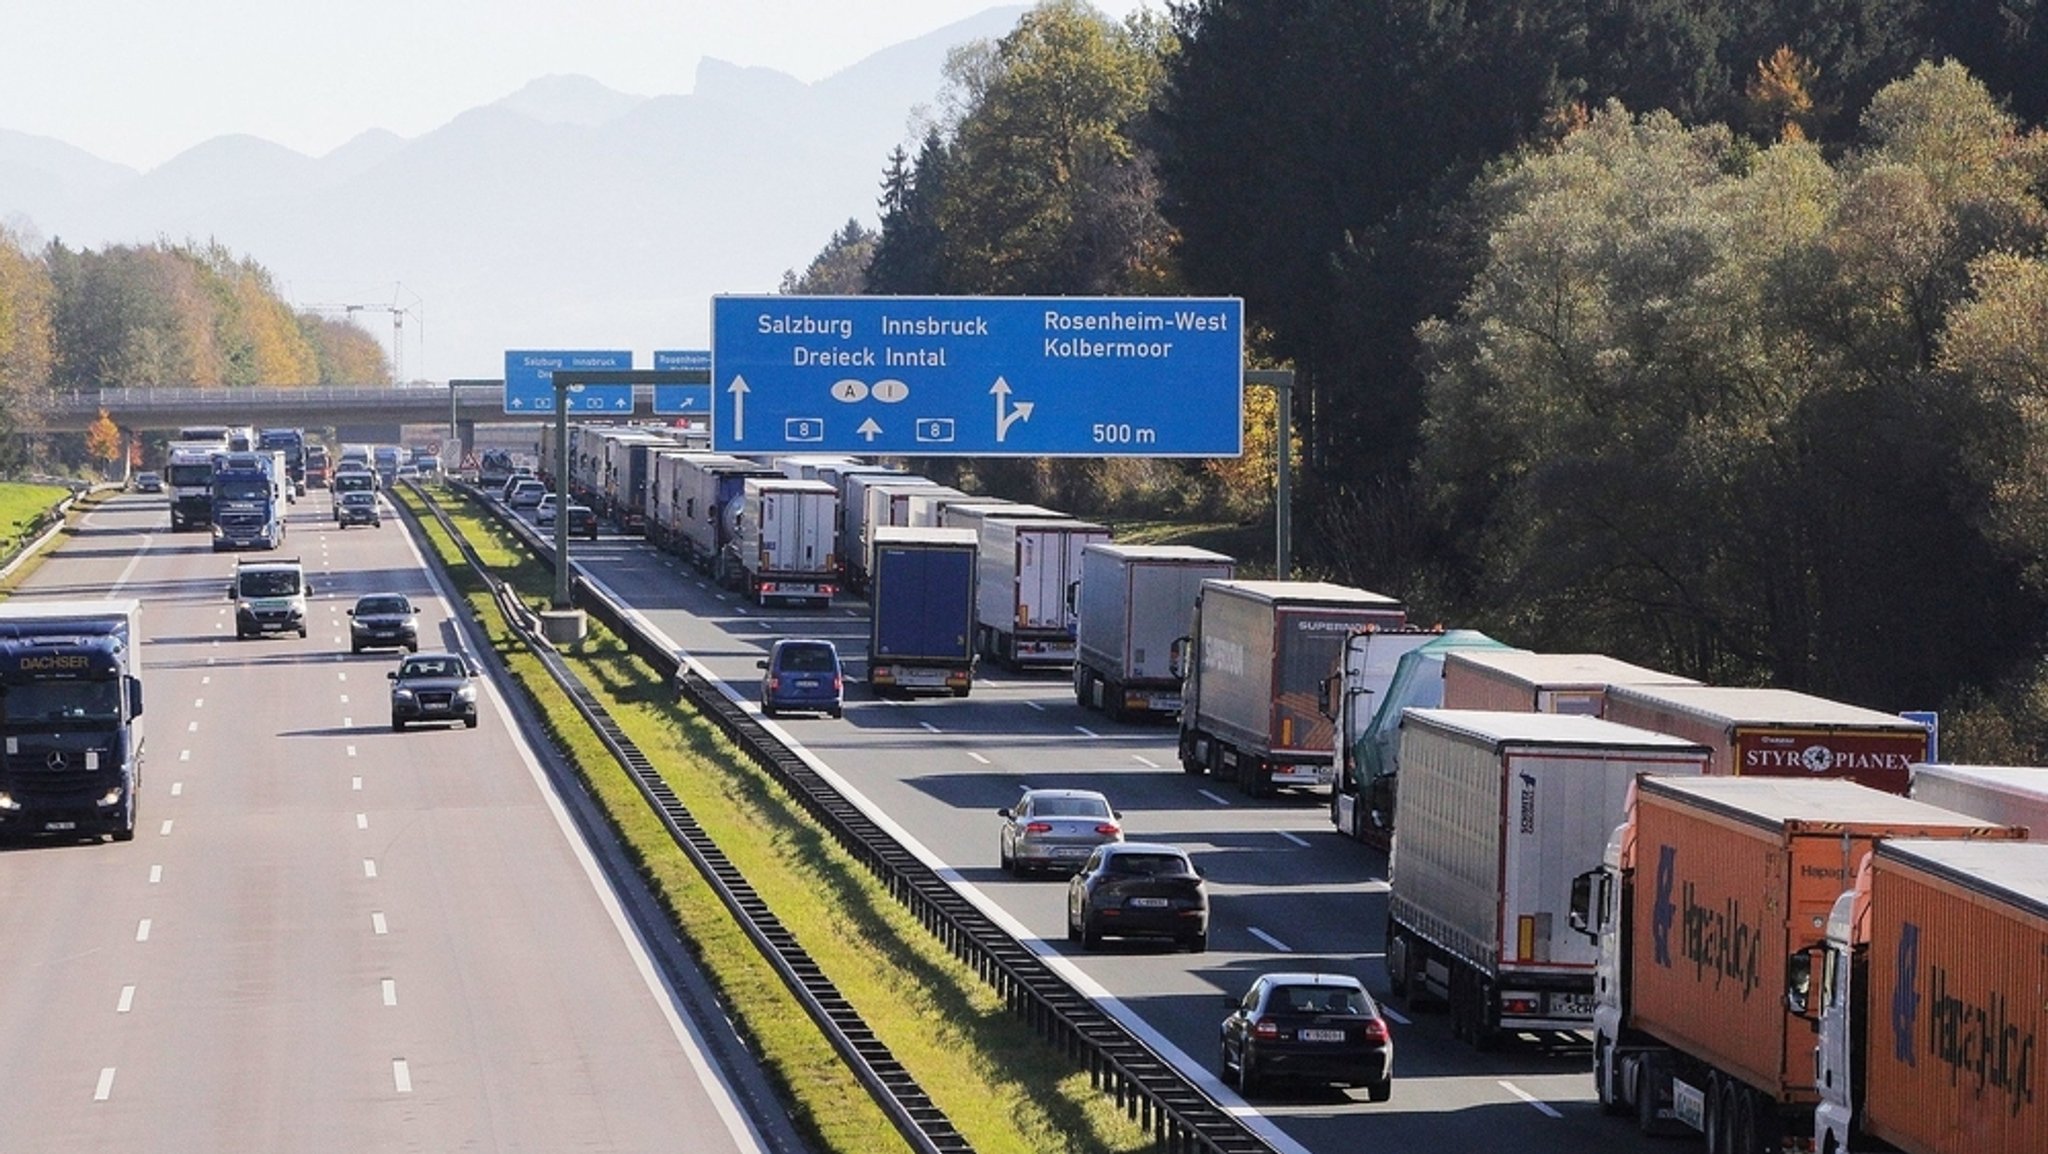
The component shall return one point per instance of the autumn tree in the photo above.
(343, 352)
(103, 440)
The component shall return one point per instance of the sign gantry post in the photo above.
(571, 386)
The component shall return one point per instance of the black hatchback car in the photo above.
(383, 621)
(1138, 889)
(433, 687)
(1308, 1027)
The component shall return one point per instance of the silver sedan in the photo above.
(1055, 829)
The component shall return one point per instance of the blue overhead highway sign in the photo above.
(683, 399)
(530, 386)
(978, 376)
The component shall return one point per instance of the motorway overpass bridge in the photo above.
(366, 413)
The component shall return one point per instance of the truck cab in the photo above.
(269, 597)
(71, 713)
(247, 505)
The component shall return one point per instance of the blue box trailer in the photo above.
(921, 628)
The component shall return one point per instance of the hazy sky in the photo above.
(138, 81)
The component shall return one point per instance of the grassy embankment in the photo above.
(25, 510)
(1003, 1088)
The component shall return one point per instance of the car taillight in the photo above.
(1108, 829)
(1039, 827)
(1265, 1029)
(1375, 1031)
(838, 684)
(774, 682)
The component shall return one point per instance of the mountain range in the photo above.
(563, 216)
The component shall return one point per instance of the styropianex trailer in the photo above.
(1706, 894)
(1252, 667)
(1133, 604)
(1778, 732)
(1503, 811)
(1932, 999)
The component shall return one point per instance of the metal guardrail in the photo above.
(1182, 1118)
(921, 1123)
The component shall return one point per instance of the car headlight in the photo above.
(111, 797)
(7, 802)
(401, 695)
(466, 693)
(244, 607)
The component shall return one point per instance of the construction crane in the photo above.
(398, 315)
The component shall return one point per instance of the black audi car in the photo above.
(433, 687)
(383, 621)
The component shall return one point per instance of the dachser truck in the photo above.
(1252, 665)
(71, 712)
(1778, 732)
(1503, 811)
(1133, 603)
(921, 622)
(1929, 994)
(1709, 897)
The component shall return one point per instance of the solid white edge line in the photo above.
(723, 1096)
(1545, 1108)
(1086, 986)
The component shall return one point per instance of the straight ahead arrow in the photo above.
(739, 391)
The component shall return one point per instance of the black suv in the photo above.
(383, 621)
(357, 508)
(433, 687)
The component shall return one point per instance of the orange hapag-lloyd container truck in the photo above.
(1777, 732)
(1933, 1002)
(1711, 893)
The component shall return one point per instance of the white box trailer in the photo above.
(2007, 794)
(1024, 613)
(783, 540)
(1518, 680)
(853, 482)
(883, 506)
(1500, 811)
(1132, 605)
(709, 488)
(928, 508)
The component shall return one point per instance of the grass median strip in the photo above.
(1003, 1088)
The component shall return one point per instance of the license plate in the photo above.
(807, 683)
(1148, 903)
(1312, 1035)
(1572, 1005)
(60, 825)
(1082, 851)
(434, 706)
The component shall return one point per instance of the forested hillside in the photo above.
(1712, 336)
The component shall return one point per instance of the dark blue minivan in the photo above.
(802, 674)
